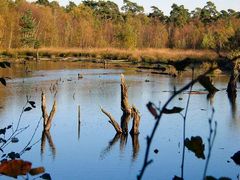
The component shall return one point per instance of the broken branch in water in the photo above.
(47, 120)
(112, 121)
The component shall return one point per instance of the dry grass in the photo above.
(145, 55)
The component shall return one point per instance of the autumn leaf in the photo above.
(36, 171)
(14, 168)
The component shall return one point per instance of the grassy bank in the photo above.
(139, 55)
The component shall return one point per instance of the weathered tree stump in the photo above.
(136, 121)
(126, 108)
(127, 112)
(47, 120)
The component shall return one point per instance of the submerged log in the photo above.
(47, 120)
(136, 121)
(112, 121)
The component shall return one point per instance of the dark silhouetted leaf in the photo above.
(46, 176)
(3, 81)
(210, 178)
(156, 151)
(151, 107)
(196, 146)
(213, 178)
(32, 103)
(1, 150)
(3, 155)
(3, 131)
(173, 110)
(9, 126)
(2, 140)
(28, 149)
(177, 178)
(36, 171)
(28, 109)
(14, 140)
(13, 155)
(236, 158)
(14, 168)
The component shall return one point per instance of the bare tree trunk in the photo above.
(47, 120)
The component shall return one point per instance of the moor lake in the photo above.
(89, 149)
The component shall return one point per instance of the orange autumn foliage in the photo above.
(14, 168)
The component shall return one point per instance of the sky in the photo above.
(165, 5)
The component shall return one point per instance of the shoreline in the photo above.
(163, 61)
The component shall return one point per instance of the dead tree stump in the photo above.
(136, 121)
(127, 113)
(47, 120)
(126, 108)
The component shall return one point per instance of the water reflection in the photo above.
(232, 99)
(135, 146)
(46, 135)
(123, 143)
(210, 97)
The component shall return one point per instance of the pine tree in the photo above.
(28, 27)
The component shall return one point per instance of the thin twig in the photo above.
(184, 127)
(29, 142)
(211, 139)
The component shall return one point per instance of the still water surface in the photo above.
(89, 150)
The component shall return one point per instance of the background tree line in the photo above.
(101, 24)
